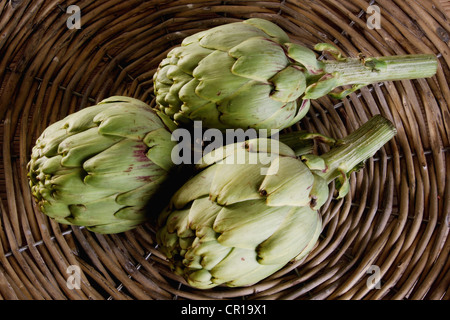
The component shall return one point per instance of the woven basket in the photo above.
(392, 227)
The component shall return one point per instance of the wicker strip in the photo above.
(395, 219)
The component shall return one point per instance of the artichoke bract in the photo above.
(100, 167)
(254, 206)
(250, 75)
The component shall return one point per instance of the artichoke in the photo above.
(100, 167)
(254, 206)
(250, 75)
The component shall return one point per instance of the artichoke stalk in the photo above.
(241, 217)
(250, 75)
(103, 167)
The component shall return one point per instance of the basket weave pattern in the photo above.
(394, 223)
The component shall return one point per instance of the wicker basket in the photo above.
(393, 226)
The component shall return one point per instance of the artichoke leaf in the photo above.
(227, 36)
(53, 131)
(289, 84)
(259, 106)
(293, 235)
(81, 146)
(288, 182)
(302, 109)
(209, 254)
(218, 154)
(191, 260)
(258, 58)
(50, 165)
(161, 78)
(216, 81)
(141, 195)
(56, 210)
(202, 213)
(178, 222)
(127, 156)
(255, 275)
(191, 101)
(123, 100)
(304, 56)
(312, 243)
(314, 162)
(271, 29)
(236, 264)
(69, 188)
(122, 182)
(342, 183)
(100, 211)
(48, 144)
(180, 79)
(196, 187)
(200, 279)
(163, 105)
(247, 224)
(285, 114)
(168, 239)
(321, 88)
(190, 55)
(269, 146)
(207, 112)
(193, 38)
(319, 193)
(82, 119)
(205, 233)
(236, 182)
(160, 148)
(115, 227)
(126, 120)
(134, 213)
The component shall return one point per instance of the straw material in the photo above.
(392, 227)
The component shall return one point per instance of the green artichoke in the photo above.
(101, 166)
(253, 207)
(250, 75)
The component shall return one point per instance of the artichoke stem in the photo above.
(357, 147)
(364, 71)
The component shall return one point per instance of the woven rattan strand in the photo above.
(395, 221)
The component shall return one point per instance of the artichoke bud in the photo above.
(231, 225)
(103, 166)
(249, 74)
